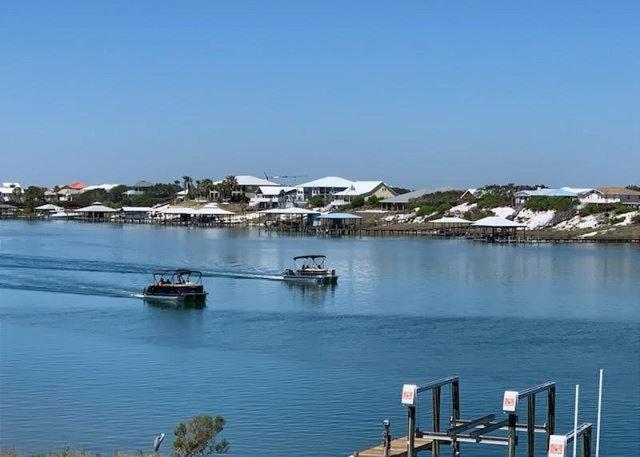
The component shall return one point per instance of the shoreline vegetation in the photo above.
(543, 218)
(196, 437)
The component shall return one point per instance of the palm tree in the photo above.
(188, 180)
(206, 187)
(229, 184)
(17, 194)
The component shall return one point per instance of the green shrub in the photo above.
(550, 203)
(490, 200)
(430, 208)
(197, 437)
(373, 201)
(615, 208)
(316, 201)
(357, 202)
(622, 209)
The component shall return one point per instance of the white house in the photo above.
(324, 187)
(267, 197)
(363, 189)
(247, 185)
(9, 193)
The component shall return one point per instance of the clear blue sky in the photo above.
(419, 93)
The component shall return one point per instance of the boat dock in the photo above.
(500, 428)
(398, 448)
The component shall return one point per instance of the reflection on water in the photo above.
(176, 304)
(85, 362)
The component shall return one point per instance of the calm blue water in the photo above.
(310, 371)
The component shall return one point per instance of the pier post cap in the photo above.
(409, 394)
(557, 446)
(510, 401)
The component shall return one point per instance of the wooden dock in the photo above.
(398, 448)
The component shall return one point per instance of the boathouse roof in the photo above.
(496, 221)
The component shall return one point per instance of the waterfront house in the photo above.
(247, 186)
(521, 197)
(469, 195)
(621, 195)
(11, 192)
(51, 196)
(67, 194)
(323, 187)
(138, 188)
(364, 189)
(182, 194)
(402, 202)
(267, 197)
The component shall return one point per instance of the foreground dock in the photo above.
(398, 448)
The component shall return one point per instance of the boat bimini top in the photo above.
(181, 276)
(315, 261)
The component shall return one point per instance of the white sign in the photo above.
(409, 394)
(557, 446)
(510, 401)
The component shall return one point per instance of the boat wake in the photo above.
(241, 275)
(77, 289)
(47, 274)
(97, 266)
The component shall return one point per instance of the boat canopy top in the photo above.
(178, 276)
(312, 257)
(317, 261)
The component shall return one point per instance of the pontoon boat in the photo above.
(310, 269)
(185, 285)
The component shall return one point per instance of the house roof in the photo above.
(248, 180)
(274, 191)
(9, 207)
(49, 207)
(211, 209)
(328, 181)
(578, 190)
(9, 190)
(450, 220)
(177, 210)
(359, 188)
(77, 185)
(339, 216)
(546, 193)
(405, 198)
(137, 209)
(496, 221)
(106, 187)
(143, 184)
(618, 191)
(96, 207)
(292, 210)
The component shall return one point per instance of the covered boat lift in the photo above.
(212, 214)
(96, 212)
(498, 229)
(451, 226)
(338, 223)
(292, 219)
(49, 209)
